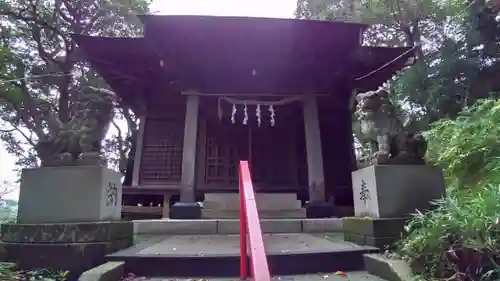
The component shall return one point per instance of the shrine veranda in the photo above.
(211, 91)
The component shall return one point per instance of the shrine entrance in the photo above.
(270, 146)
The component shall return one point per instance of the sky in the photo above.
(240, 8)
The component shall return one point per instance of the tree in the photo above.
(456, 44)
(45, 73)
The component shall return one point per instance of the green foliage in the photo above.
(471, 155)
(43, 71)
(460, 237)
(8, 271)
(462, 233)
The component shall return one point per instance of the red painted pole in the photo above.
(243, 233)
(258, 259)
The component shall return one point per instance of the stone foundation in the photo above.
(75, 247)
(376, 232)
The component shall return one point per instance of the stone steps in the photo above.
(232, 226)
(218, 255)
(327, 276)
(269, 205)
(265, 201)
(264, 214)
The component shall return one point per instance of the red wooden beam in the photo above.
(249, 217)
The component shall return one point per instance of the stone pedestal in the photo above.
(395, 191)
(75, 247)
(319, 209)
(69, 194)
(376, 232)
(69, 218)
(185, 211)
(385, 196)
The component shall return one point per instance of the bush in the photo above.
(468, 148)
(8, 272)
(460, 237)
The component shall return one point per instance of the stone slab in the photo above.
(388, 269)
(172, 226)
(376, 232)
(387, 227)
(220, 245)
(66, 232)
(322, 225)
(110, 271)
(395, 190)
(267, 226)
(263, 214)
(265, 201)
(326, 276)
(231, 226)
(69, 194)
(219, 255)
(75, 257)
(383, 243)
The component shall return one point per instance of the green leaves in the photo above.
(440, 241)
(472, 153)
(43, 67)
(467, 221)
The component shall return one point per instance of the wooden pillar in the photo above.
(187, 207)
(317, 206)
(189, 149)
(166, 205)
(138, 151)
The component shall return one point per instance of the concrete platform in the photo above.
(218, 255)
(231, 226)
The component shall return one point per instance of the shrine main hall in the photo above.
(211, 91)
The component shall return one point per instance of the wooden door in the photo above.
(273, 158)
(225, 145)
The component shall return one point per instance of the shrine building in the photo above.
(211, 91)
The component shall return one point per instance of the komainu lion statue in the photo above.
(390, 142)
(78, 142)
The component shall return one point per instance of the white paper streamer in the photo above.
(272, 113)
(245, 118)
(233, 114)
(258, 114)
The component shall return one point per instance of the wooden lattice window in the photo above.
(161, 159)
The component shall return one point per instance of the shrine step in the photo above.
(218, 255)
(232, 226)
(265, 201)
(264, 214)
(358, 275)
(269, 205)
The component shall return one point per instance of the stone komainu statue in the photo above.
(390, 142)
(79, 141)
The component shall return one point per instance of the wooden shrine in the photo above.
(215, 90)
